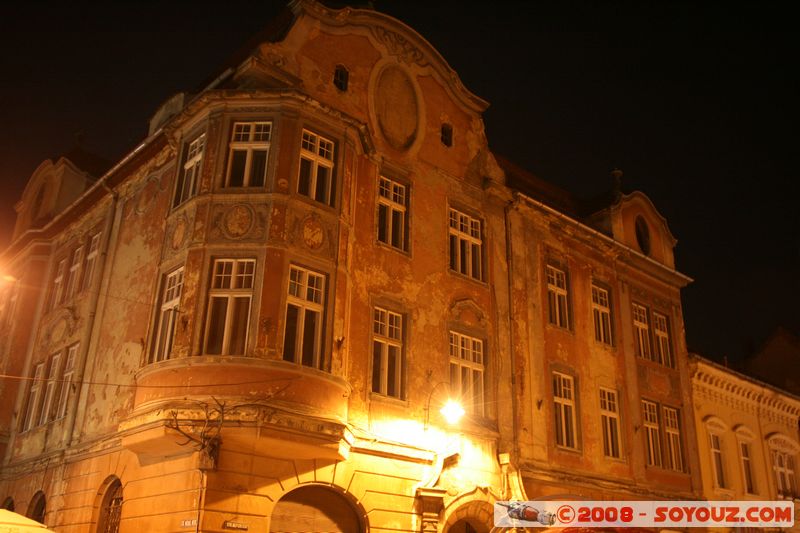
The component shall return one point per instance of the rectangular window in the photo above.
(91, 261)
(747, 468)
(62, 396)
(305, 310)
(167, 319)
(74, 272)
(229, 299)
(50, 388)
(466, 245)
(564, 406)
(783, 464)
(672, 438)
(609, 420)
(663, 353)
(34, 397)
(557, 302)
(717, 461)
(466, 371)
(387, 353)
(248, 154)
(652, 432)
(392, 219)
(641, 329)
(316, 179)
(601, 314)
(189, 173)
(57, 290)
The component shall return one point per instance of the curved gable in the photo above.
(636, 222)
(399, 42)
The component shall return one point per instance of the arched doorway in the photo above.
(8, 504)
(38, 507)
(465, 525)
(315, 508)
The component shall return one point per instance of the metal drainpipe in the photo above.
(110, 227)
(510, 263)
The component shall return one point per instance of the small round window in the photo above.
(642, 235)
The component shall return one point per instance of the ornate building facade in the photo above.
(748, 436)
(252, 320)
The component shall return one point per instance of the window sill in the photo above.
(390, 400)
(388, 247)
(647, 362)
(466, 277)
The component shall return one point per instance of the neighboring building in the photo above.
(777, 361)
(748, 435)
(251, 321)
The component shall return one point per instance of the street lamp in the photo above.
(452, 411)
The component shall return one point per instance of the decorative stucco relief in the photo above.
(239, 222)
(398, 46)
(311, 232)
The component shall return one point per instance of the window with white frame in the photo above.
(564, 407)
(652, 432)
(248, 154)
(91, 261)
(387, 353)
(717, 460)
(609, 420)
(641, 330)
(672, 439)
(601, 314)
(73, 277)
(316, 179)
(57, 290)
(189, 173)
(305, 314)
(663, 353)
(467, 371)
(557, 297)
(784, 461)
(392, 215)
(784, 467)
(229, 302)
(65, 384)
(167, 318)
(54, 369)
(466, 244)
(34, 397)
(745, 455)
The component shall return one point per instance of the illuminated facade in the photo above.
(748, 436)
(252, 320)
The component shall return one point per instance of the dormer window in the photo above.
(642, 235)
(341, 77)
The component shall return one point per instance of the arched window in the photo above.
(110, 508)
(8, 504)
(38, 507)
(315, 508)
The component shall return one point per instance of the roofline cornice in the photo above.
(623, 253)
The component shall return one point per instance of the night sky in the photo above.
(693, 101)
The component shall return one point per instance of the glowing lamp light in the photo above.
(452, 411)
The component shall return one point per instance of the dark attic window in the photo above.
(340, 77)
(447, 134)
(642, 235)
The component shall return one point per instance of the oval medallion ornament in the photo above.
(238, 221)
(396, 108)
(313, 233)
(179, 233)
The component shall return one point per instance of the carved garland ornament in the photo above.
(399, 46)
